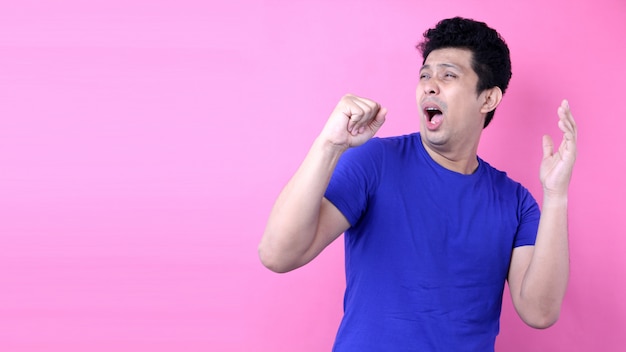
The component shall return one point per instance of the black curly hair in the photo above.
(491, 59)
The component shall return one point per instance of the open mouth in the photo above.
(431, 113)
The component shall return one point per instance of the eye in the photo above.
(450, 75)
(424, 76)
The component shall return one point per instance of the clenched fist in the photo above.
(353, 121)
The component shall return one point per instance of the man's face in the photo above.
(450, 108)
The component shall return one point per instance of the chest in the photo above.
(454, 230)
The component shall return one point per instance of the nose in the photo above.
(430, 86)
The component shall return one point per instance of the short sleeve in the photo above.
(529, 215)
(354, 179)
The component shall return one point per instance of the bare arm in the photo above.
(538, 275)
(302, 222)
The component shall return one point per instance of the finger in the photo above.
(369, 111)
(567, 149)
(374, 124)
(379, 120)
(548, 146)
(370, 103)
(566, 115)
(355, 114)
(566, 126)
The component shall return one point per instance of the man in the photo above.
(431, 230)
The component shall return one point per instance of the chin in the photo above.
(433, 138)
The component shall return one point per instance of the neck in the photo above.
(464, 162)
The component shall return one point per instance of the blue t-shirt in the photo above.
(428, 250)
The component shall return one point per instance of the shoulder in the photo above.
(398, 141)
(378, 156)
(505, 185)
(498, 176)
(392, 144)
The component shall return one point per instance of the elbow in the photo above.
(272, 260)
(543, 323)
(539, 311)
(274, 265)
(543, 320)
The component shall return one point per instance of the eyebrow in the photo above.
(445, 65)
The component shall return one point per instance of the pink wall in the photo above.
(142, 144)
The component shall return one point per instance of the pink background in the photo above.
(142, 144)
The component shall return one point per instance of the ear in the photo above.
(492, 98)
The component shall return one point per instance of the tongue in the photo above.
(436, 119)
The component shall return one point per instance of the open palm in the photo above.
(556, 167)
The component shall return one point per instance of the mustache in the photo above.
(434, 100)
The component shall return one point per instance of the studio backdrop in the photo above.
(143, 143)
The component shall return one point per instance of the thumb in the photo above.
(379, 119)
(548, 146)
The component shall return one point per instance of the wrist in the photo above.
(328, 147)
(554, 198)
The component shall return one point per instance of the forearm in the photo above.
(545, 281)
(293, 221)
